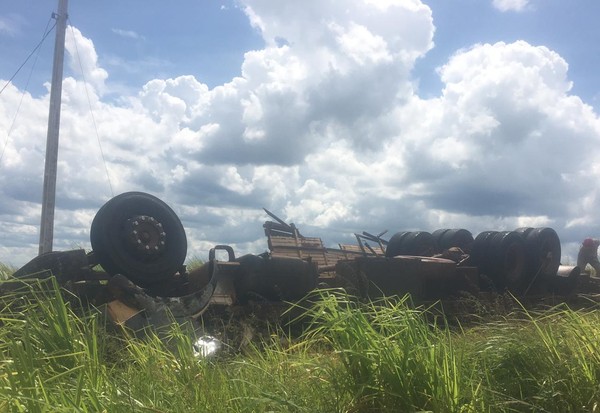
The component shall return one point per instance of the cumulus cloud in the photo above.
(83, 59)
(325, 128)
(510, 106)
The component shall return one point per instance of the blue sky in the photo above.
(138, 40)
(342, 116)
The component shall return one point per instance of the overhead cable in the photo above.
(28, 57)
(91, 111)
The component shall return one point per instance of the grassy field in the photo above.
(337, 355)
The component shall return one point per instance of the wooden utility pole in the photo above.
(49, 194)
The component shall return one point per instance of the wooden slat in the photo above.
(356, 248)
(297, 246)
(280, 241)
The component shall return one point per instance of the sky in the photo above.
(340, 116)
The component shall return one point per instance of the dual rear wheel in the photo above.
(517, 260)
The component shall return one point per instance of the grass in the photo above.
(194, 262)
(343, 356)
(6, 271)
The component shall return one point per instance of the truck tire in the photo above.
(448, 238)
(480, 249)
(507, 261)
(394, 245)
(139, 236)
(542, 246)
(500, 258)
(524, 231)
(417, 243)
(480, 258)
(437, 236)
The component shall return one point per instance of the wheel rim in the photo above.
(145, 235)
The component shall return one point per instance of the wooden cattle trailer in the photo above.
(525, 261)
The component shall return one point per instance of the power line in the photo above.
(12, 125)
(28, 57)
(91, 111)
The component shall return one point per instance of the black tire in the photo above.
(394, 245)
(507, 261)
(448, 238)
(524, 231)
(437, 239)
(155, 255)
(418, 243)
(543, 249)
(248, 275)
(500, 258)
(480, 251)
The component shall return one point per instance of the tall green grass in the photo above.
(545, 362)
(6, 271)
(50, 357)
(390, 358)
(398, 358)
(380, 356)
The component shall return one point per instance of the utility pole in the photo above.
(49, 194)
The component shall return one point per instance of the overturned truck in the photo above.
(136, 266)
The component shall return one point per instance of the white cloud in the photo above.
(505, 120)
(11, 24)
(83, 59)
(130, 34)
(362, 46)
(511, 5)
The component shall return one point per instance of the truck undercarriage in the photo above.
(136, 266)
